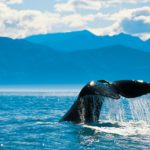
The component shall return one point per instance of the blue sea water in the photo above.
(32, 122)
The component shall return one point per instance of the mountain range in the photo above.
(73, 58)
(85, 40)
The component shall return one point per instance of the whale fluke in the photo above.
(131, 88)
(86, 108)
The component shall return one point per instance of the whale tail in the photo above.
(86, 108)
(131, 88)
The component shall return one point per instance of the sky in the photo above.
(22, 18)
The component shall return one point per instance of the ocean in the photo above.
(30, 120)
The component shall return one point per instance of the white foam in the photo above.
(124, 129)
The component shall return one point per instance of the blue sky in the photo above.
(21, 18)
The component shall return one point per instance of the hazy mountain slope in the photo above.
(22, 62)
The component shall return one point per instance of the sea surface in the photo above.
(30, 120)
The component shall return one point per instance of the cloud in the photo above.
(94, 5)
(73, 5)
(15, 23)
(20, 23)
(11, 1)
(65, 7)
(109, 30)
(88, 5)
(77, 20)
(123, 1)
(135, 21)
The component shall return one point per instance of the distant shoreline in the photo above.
(40, 90)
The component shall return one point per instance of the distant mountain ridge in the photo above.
(85, 40)
(24, 62)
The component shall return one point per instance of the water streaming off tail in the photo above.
(140, 109)
(135, 109)
(90, 105)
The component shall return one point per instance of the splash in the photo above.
(140, 109)
(124, 129)
(125, 110)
